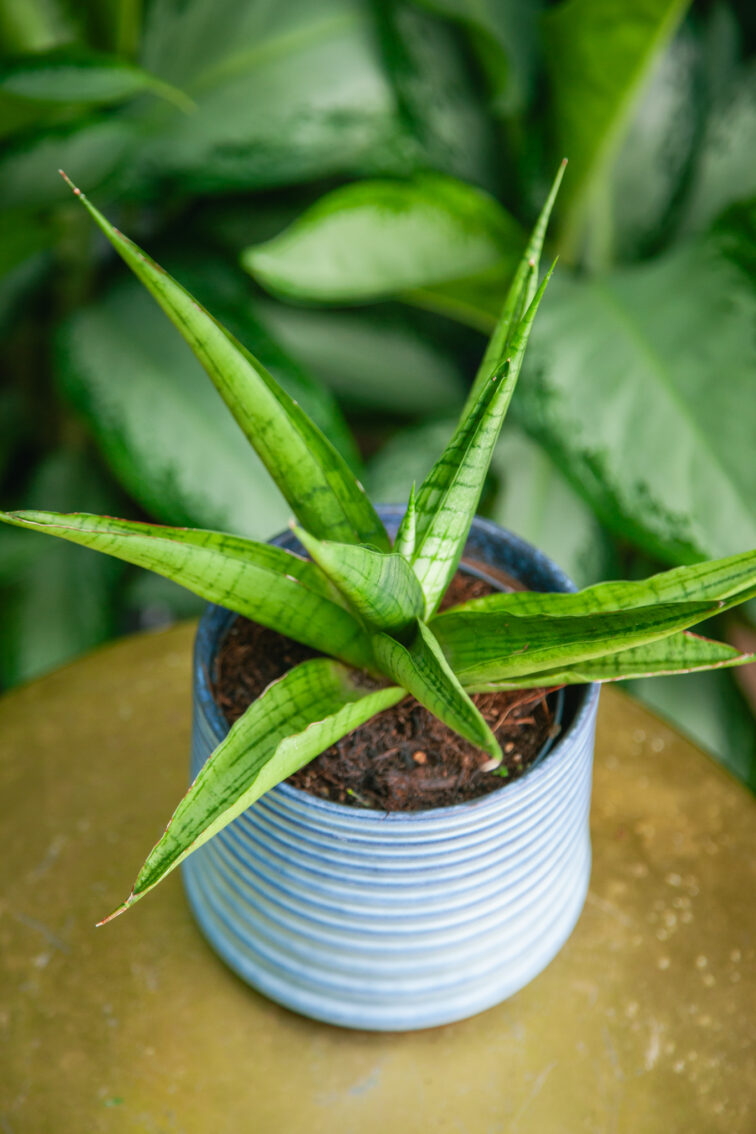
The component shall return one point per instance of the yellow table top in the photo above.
(642, 1025)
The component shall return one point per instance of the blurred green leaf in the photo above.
(73, 75)
(56, 601)
(504, 33)
(709, 709)
(94, 149)
(437, 93)
(598, 54)
(284, 93)
(651, 166)
(371, 359)
(726, 170)
(161, 425)
(639, 383)
(373, 239)
(534, 500)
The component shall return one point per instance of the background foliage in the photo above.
(346, 185)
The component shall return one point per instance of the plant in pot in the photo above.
(331, 900)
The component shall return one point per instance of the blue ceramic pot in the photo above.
(411, 919)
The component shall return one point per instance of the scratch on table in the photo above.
(535, 1091)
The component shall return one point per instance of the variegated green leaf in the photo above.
(311, 474)
(449, 495)
(518, 299)
(381, 588)
(679, 653)
(487, 646)
(421, 668)
(292, 721)
(725, 581)
(270, 585)
(404, 543)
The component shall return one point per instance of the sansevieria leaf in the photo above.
(486, 646)
(265, 583)
(381, 588)
(519, 297)
(311, 474)
(679, 653)
(292, 721)
(449, 495)
(724, 581)
(421, 668)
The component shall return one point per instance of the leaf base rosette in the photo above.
(411, 919)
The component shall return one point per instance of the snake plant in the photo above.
(367, 605)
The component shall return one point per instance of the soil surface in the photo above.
(404, 759)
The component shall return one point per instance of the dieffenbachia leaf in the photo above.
(723, 581)
(404, 542)
(70, 75)
(381, 588)
(519, 297)
(421, 668)
(373, 239)
(679, 653)
(292, 721)
(449, 495)
(311, 474)
(267, 584)
(488, 646)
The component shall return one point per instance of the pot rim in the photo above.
(213, 625)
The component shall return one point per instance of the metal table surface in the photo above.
(644, 1024)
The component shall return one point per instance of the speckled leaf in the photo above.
(311, 474)
(292, 721)
(381, 588)
(421, 668)
(267, 584)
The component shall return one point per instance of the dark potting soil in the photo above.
(405, 759)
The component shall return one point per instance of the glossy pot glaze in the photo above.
(410, 919)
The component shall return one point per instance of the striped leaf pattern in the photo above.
(486, 646)
(449, 495)
(421, 668)
(297, 717)
(311, 474)
(727, 581)
(265, 583)
(381, 589)
(679, 653)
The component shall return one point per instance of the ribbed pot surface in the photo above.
(405, 920)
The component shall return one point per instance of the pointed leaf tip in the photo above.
(118, 910)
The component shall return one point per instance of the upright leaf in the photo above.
(161, 426)
(519, 296)
(448, 497)
(292, 721)
(421, 668)
(381, 588)
(406, 535)
(264, 583)
(311, 474)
